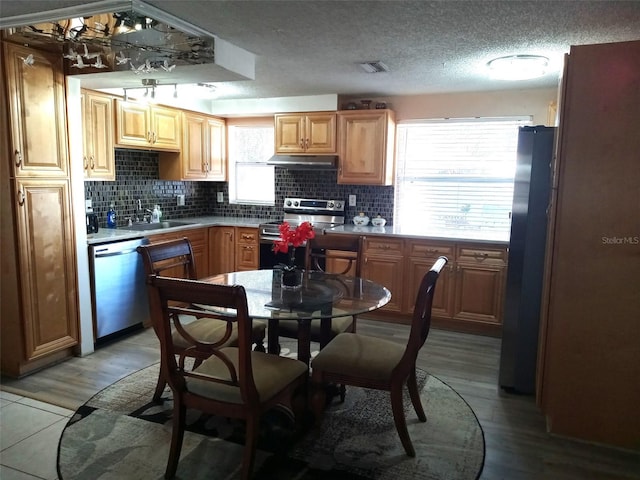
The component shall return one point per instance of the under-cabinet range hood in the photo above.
(305, 162)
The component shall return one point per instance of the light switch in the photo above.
(180, 199)
(220, 197)
(352, 200)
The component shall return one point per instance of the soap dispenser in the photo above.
(111, 216)
(156, 214)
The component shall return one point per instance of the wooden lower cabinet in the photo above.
(480, 273)
(233, 249)
(247, 249)
(470, 291)
(44, 289)
(199, 238)
(421, 257)
(384, 264)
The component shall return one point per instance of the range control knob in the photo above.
(288, 203)
(338, 205)
(296, 203)
(329, 204)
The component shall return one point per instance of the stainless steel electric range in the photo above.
(322, 214)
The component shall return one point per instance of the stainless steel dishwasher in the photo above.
(118, 289)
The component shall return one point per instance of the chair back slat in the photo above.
(343, 247)
(421, 320)
(173, 258)
(170, 298)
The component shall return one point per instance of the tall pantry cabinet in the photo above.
(39, 323)
(589, 357)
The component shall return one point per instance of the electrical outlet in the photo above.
(88, 205)
(220, 197)
(352, 200)
(180, 200)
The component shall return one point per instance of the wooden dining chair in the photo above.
(345, 254)
(174, 258)
(233, 382)
(372, 362)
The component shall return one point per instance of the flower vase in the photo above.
(291, 279)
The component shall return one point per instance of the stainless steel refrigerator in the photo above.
(531, 193)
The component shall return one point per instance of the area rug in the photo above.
(121, 434)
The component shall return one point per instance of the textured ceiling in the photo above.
(313, 47)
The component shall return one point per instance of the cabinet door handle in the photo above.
(85, 162)
(18, 156)
(155, 137)
(432, 250)
(302, 143)
(93, 163)
(21, 197)
(306, 144)
(480, 256)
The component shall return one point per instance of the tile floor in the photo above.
(29, 434)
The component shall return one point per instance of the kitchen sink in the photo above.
(158, 226)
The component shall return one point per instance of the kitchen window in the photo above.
(251, 144)
(455, 176)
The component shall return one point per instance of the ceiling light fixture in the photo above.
(518, 67)
(374, 67)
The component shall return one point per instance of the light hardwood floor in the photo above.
(517, 445)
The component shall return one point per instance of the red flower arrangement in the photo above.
(290, 239)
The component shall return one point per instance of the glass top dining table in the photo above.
(323, 296)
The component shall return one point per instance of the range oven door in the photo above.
(270, 259)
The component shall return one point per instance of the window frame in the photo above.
(463, 184)
(257, 122)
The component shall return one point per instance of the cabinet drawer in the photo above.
(418, 249)
(381, 245)
(247, 236)
(482, 255)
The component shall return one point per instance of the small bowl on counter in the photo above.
(361, 220)
(378, 222)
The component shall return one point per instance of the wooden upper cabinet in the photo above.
(203, 152)
(97, 120)
(150, 127)
(216, 149)
(305, 133)
(37, 111)
(366, 147)
(166, 127)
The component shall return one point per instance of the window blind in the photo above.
(251, 180)
(457, 175)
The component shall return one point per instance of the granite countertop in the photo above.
(420, 232)
(106, 235)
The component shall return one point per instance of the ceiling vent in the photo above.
(374, 67)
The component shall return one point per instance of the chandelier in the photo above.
(119, 41)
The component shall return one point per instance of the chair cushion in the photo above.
(271, 374)
(289, 328)
(211, 330)
(360, 356)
